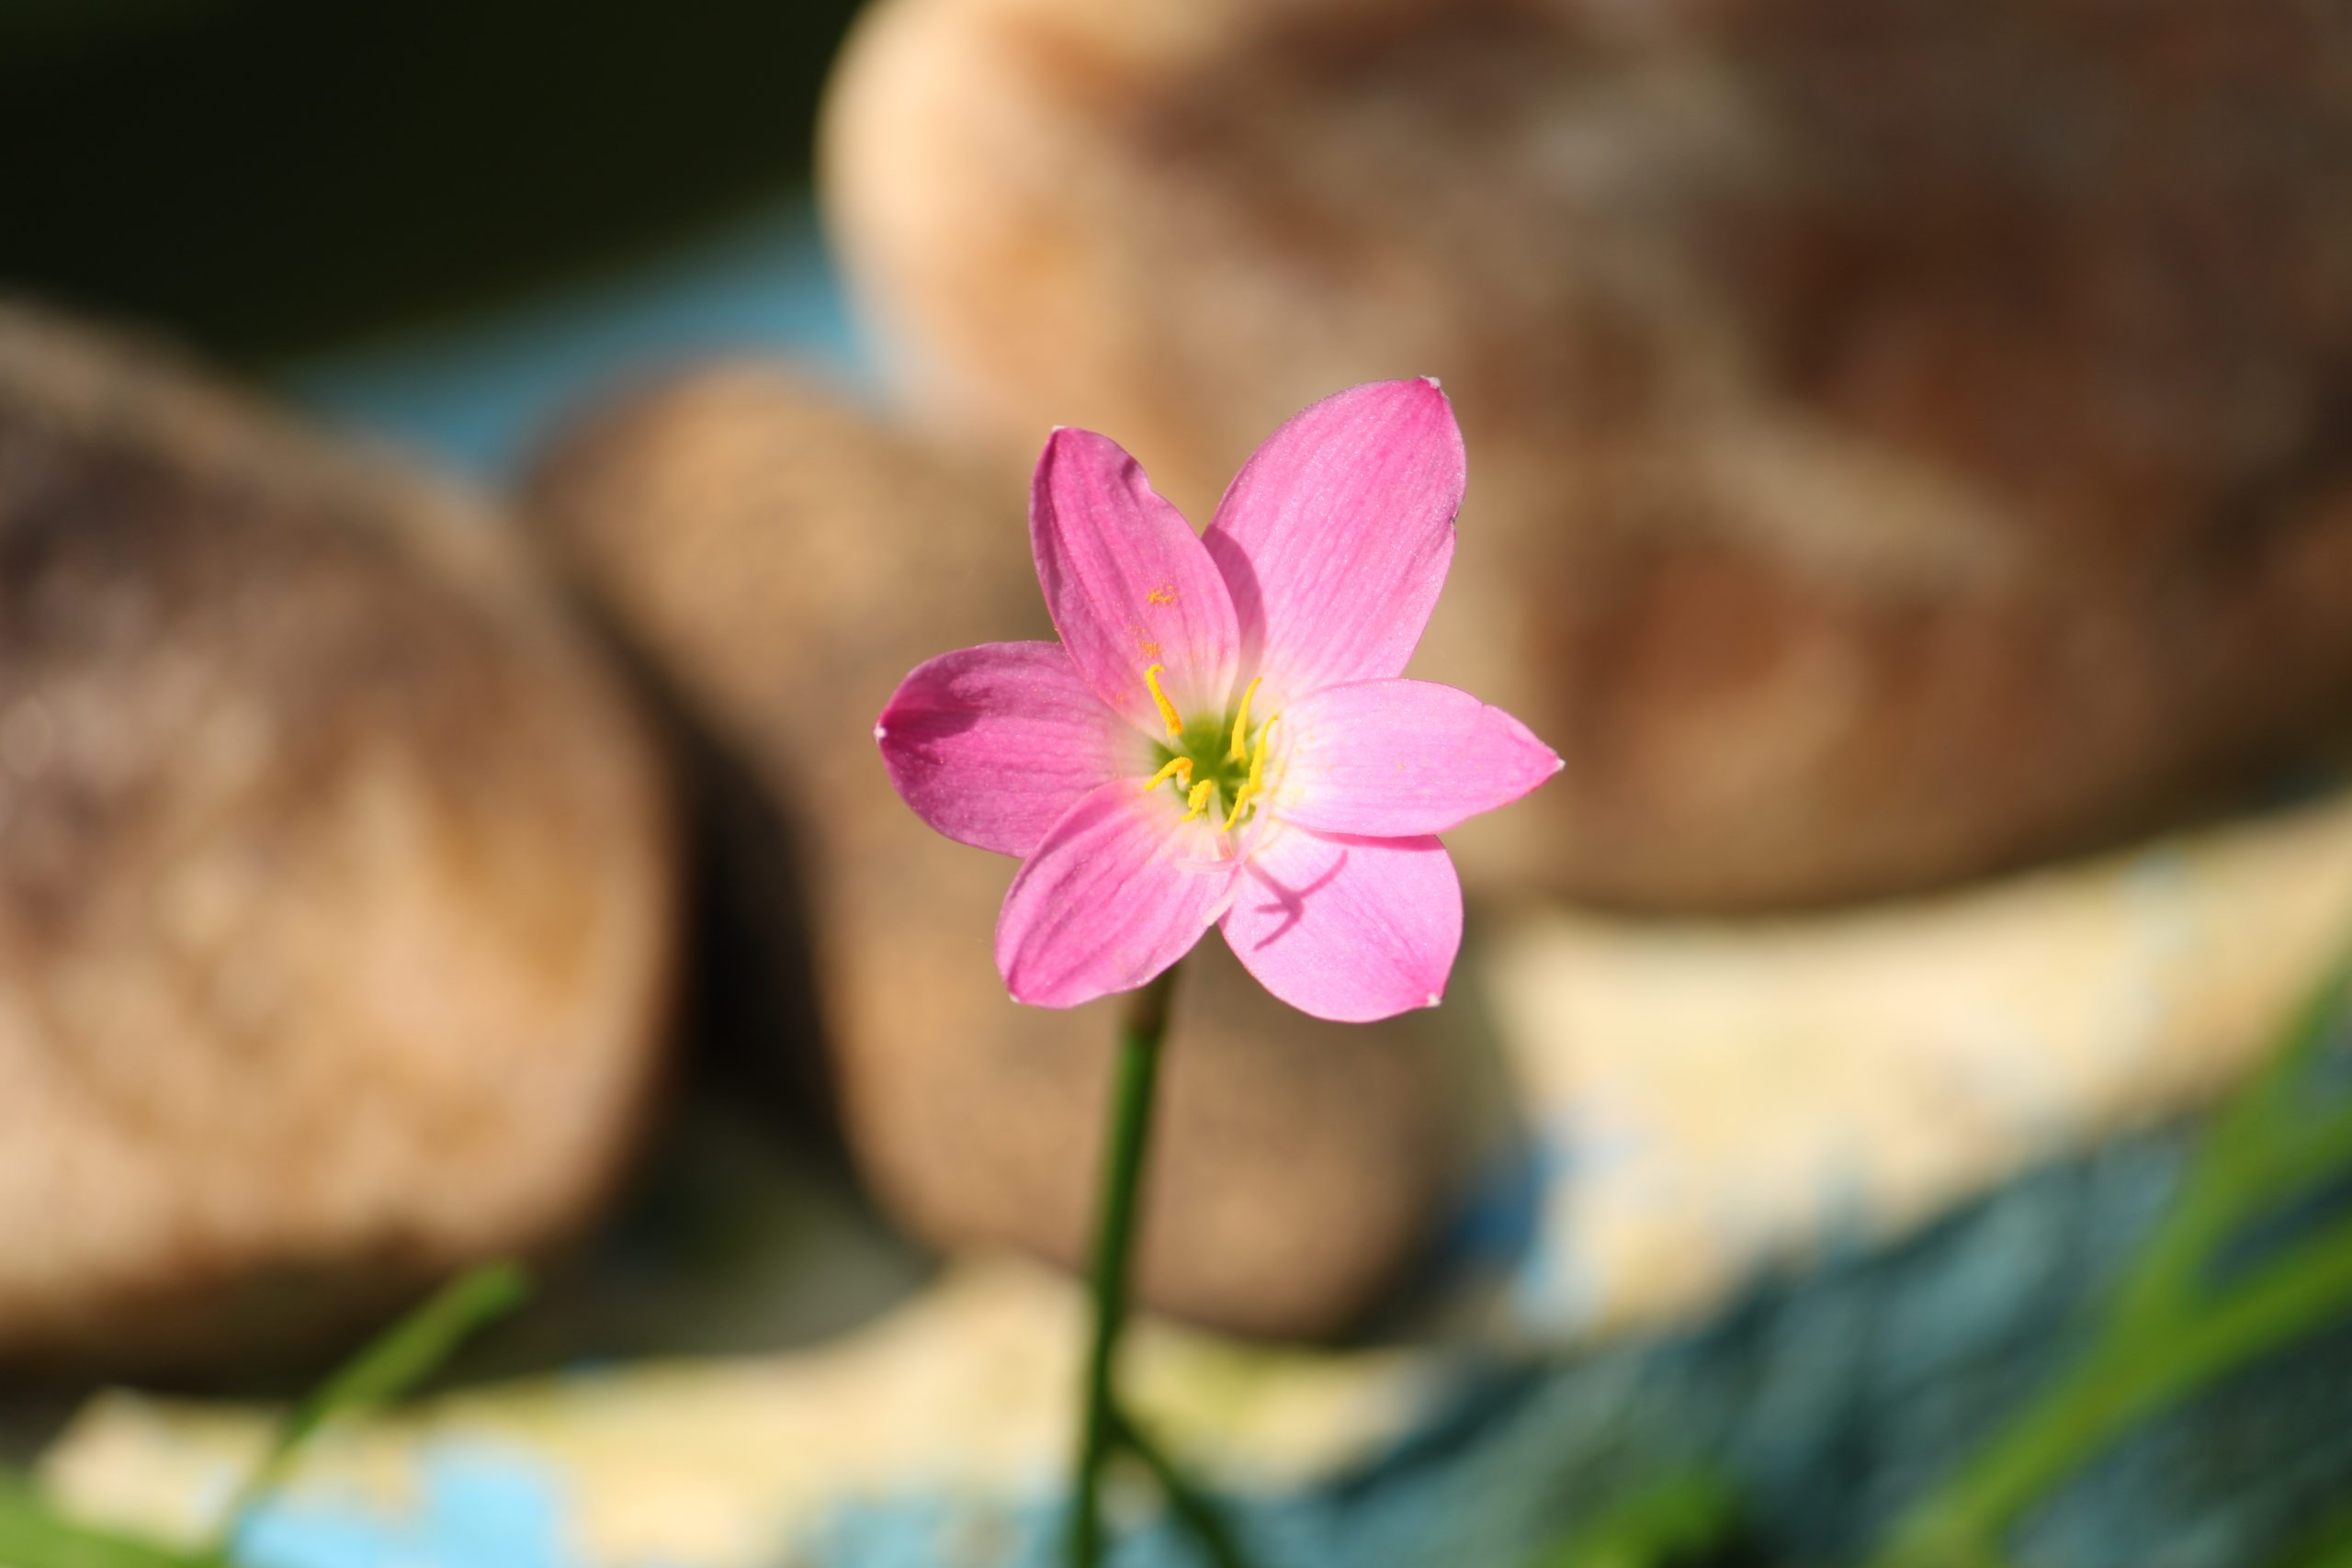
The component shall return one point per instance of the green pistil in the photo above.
(1209, 744)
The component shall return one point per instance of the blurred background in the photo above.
(470, 475)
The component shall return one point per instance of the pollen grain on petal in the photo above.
(1163, 594)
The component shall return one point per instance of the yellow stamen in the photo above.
(1178, 768)
(1199, 799)
(1168, 713)
(1241, 722)
(1255, 785)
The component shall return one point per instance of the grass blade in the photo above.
(393, 1363)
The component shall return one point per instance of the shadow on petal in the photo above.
(1290, 902)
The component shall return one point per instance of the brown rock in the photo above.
(338, 897)
(781, 561)
(1906, 441)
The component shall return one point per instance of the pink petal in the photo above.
(1394, 758)
(1120, 890)
(993, 744)
(1127, 582)
(1335, 537)
(1350, 930)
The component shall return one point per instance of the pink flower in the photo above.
(1221, 736)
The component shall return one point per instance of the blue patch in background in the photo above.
(480, 394)
(482, 1507)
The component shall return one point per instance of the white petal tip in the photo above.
(881, 733)
(1433, 383)
(1558, 762)
(1435, 1001)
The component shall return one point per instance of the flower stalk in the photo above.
(1105, 1426)
(1131, 1101)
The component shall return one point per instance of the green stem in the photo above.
(1131, 1096)
(1191, 1505)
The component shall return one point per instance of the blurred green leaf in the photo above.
(2171, 1327)
(2330, 1546)
(34, 1535)
(1685, 1518)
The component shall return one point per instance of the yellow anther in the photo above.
(1255, 785)
(1198, 799)
(1240, 748)
(1178, 768)
(1168, 713)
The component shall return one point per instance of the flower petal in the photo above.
(1350, 930)
(1120, 890)
(1127, 582)
(1393, 758)
(993, 744)
(1335, 537)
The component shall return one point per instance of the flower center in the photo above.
(1211, 761)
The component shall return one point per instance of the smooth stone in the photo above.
(339, 886)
